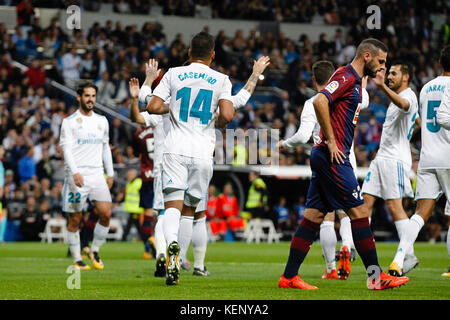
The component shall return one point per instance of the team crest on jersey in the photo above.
(332, 86)
(99, 127)
(79, 120)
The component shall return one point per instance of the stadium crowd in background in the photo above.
(32, 111)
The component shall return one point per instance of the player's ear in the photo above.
(189, 53)
(213, 55)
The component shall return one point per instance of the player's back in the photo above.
(435, 150)
(194, 91)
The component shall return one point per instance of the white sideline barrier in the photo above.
(48, 235)
(254, 231)
(117, 224)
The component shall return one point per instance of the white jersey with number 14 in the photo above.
(194, 93)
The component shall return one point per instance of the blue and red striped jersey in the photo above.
(343, 91)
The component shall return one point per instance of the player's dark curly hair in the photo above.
(202, 45)
(322, 71)
(445, 58)
(86, 84)
(405, 67)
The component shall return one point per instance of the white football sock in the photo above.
(160, 241)
(345, 231)
(171, 225)
(74, 244)
(401, 226)
(410, 235)
(100, 233)
(199, 242)
(328, 241)
(185, 236)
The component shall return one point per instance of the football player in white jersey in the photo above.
(189, 230)
(85, 142)
(388, 172)
(443, 119)
(322, 71)
(195, 92)
(433, 174)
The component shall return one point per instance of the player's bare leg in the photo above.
(369, 201)
(73, 238)
(328, 240)
(100, 232)
(423, 212)
(300, 245)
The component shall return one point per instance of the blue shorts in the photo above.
(146, 195)
(333, 186)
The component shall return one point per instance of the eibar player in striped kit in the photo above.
(322, 71)
(333, 185)
(388, 172)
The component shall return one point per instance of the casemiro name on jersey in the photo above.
(196, 75)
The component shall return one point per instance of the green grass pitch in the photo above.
(239, 271)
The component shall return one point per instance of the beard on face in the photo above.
(394, 85)
(369, 69)
(86, 107)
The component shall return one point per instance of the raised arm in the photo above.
(395, 98)
(135, 114)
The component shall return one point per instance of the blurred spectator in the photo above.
(36, 74)
(211, 210)
(44, 168)
(25, 12)
(27, 166)
(228, 210)
(31, 222)
(106, 89)
(299, 209)
(282, 211)
(71, 64)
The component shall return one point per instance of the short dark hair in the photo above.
(202, 44)
(445, 58)
(322, 71)
(84, 85)
(405, 67)
(372, 45)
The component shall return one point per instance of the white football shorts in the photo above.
(432, 183)
(74, 198)
(387, 179)
(187, 174)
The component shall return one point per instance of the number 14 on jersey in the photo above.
(201, 108)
